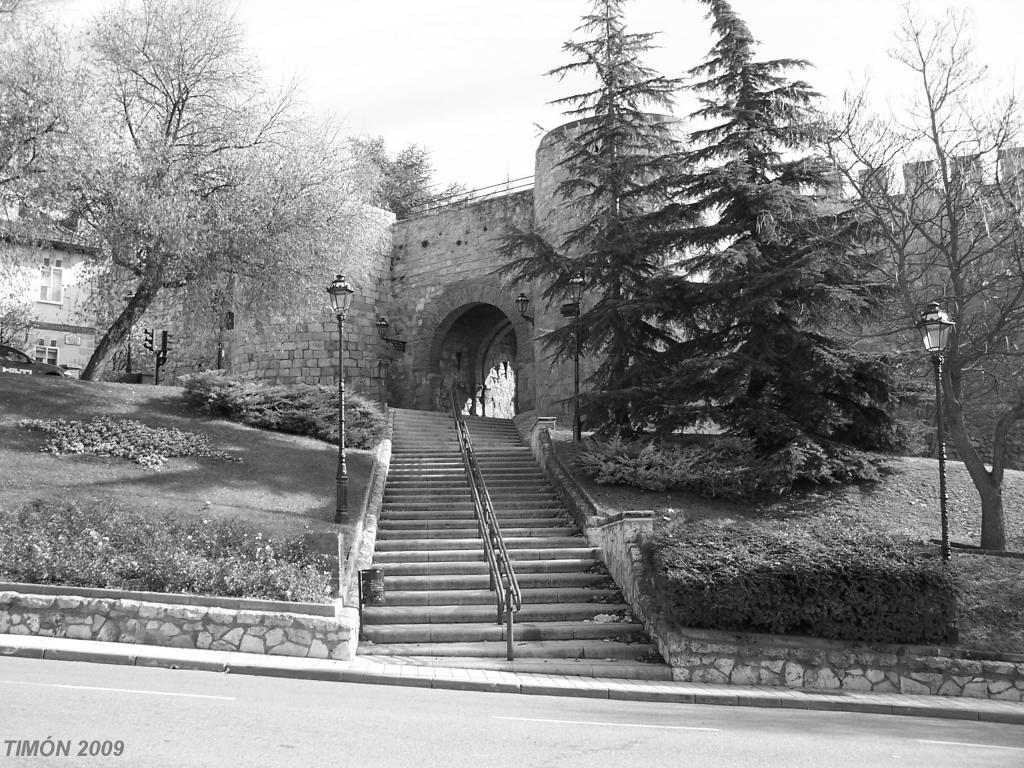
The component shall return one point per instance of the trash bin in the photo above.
(371, 586)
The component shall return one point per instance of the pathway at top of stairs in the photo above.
(439, 610)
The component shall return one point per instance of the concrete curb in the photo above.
(380, 671)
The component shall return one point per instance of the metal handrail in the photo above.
(502, 576)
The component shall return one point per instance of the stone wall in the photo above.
(248, 626)
(710, 656)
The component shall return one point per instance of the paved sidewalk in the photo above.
(385, 671)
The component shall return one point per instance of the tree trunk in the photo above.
(115, 336)
(989, 484)
(993, 531)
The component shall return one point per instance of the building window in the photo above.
(46, 352)
(51, 281)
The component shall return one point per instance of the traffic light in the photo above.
(148, 343)
(165, 342)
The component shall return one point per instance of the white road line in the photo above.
(968, 744)
(618, 725)
(118, 690)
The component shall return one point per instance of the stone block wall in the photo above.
(247, 628)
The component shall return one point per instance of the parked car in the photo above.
(16, 361)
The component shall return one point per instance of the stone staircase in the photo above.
(438, 608)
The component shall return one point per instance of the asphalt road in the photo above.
(160, 717)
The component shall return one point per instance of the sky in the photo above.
(466, 78)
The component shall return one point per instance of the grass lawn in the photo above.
(904, 503)
(284, 484)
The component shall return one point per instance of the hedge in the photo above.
(727, 467)
(830, 579)
(300, 409)
(105, 546)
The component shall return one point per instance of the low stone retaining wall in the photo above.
(709, 656)
(748, 659)
(220, 624)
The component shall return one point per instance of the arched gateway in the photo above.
(479, 347)
(452, 321)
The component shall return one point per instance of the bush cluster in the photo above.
(831, 579)
(129, 439)
(100, 546)
(726, 467)
(300, 409)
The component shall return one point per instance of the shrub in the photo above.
(833, 579)
(100, 546)
(726, 467)
(300, 409)
(133, 440)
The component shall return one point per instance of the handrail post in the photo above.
(509, 619)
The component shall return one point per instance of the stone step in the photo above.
(443, 494)
(597, 668)
(475, 552)
(606, 649)
(540, 532)
(459, 614)
(408, 483)
(487, 597)
(527, 580)
(415, 525)
(409, 509)
(500, 504)
(459, 568)
(470, 518)
(490, 630)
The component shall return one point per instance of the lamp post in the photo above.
(936, 327)
(341, 299)
(576, 283)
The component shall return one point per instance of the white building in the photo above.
(50, 279)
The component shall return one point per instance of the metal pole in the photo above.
(341, 509)
(509, 621)
(577, 431)
(940, 435)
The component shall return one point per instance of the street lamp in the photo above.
(382, 331)
(936, 327)
(341, 299)
(576, 283)
(522, 304)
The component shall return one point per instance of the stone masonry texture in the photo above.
(178, 626)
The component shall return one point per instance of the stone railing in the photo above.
(314, 630)
(711, 656)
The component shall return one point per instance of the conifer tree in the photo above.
(770, 268)
(618, 162)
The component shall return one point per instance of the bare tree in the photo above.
(198, 180)
(953, 231)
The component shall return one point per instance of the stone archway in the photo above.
(472, 328)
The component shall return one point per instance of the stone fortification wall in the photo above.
(442, 264)
(221, 625)
(303, 346)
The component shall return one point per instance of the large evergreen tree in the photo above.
(770, 269)
(617, 165)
